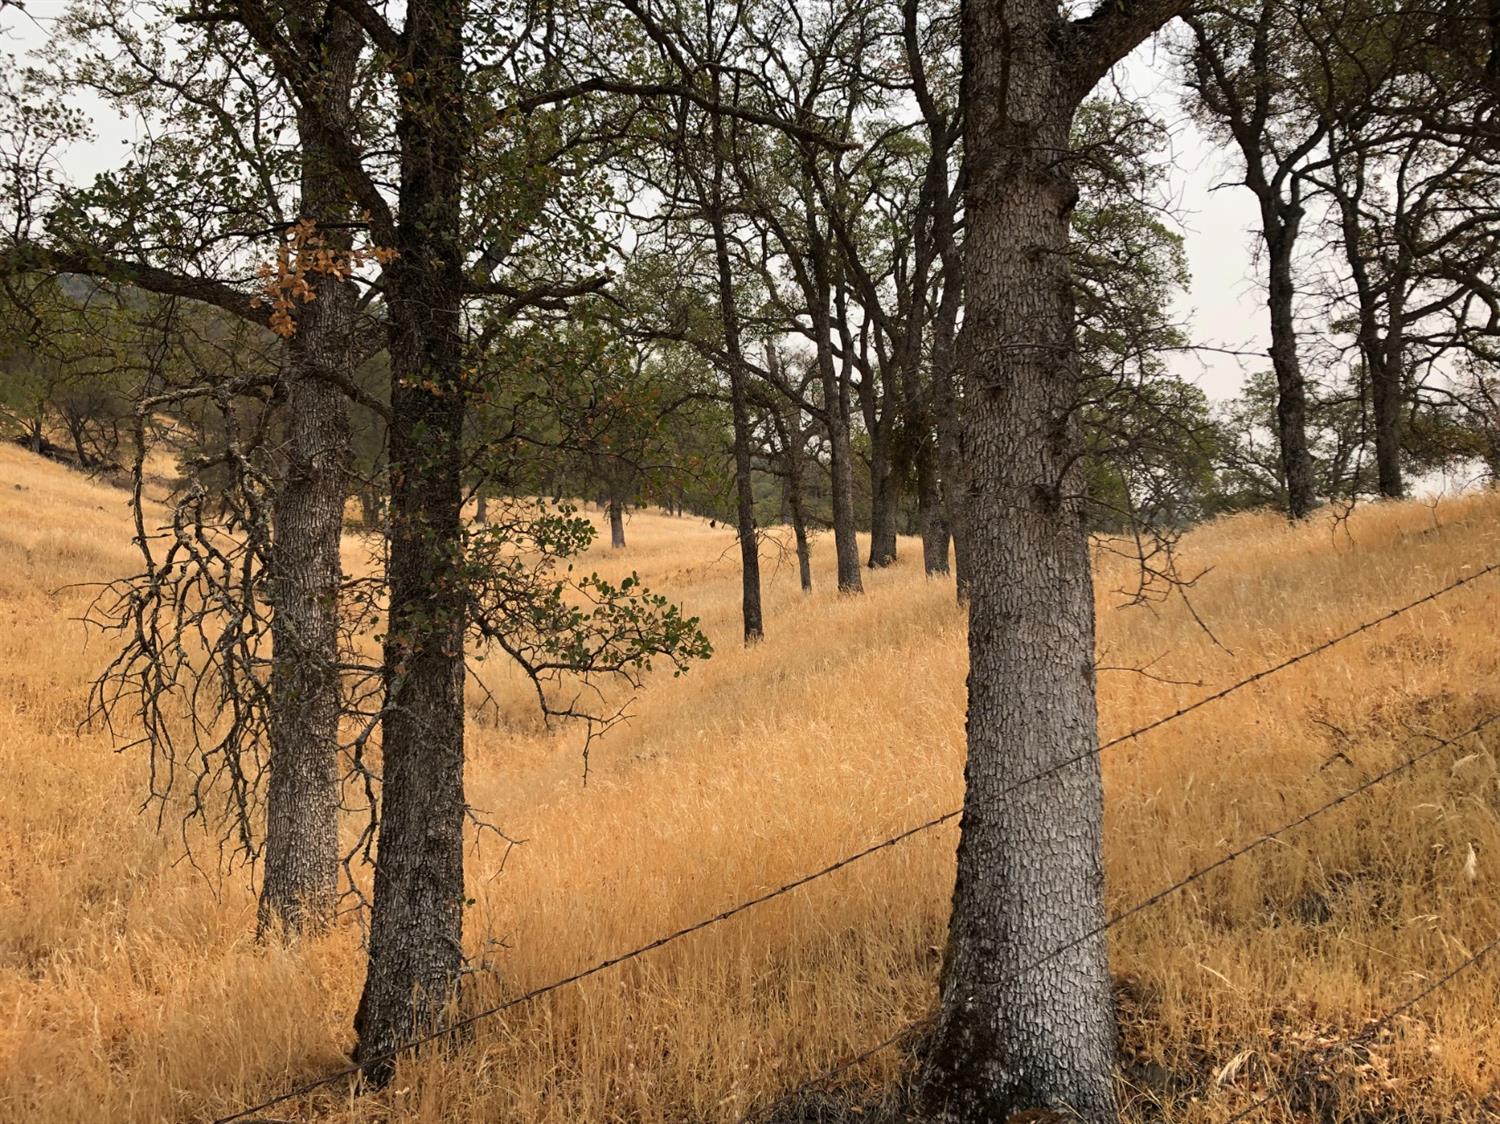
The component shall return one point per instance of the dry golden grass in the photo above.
(130, 987)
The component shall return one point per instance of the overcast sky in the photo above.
(1223, 307)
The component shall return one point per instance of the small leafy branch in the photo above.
(568, 634)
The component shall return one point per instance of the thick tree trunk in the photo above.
(416, 925)
(1020, 1028)
(616, 511)
(1291, 388)
(299, 887)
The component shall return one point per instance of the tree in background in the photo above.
(1234, 73)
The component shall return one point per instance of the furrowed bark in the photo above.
(416, 932)
(1030, 876)
(299, 886)
(1024, 1028)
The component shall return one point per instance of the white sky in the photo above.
(1223, 307)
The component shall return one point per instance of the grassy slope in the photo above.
(131, 990)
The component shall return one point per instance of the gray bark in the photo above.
(299, 886)
(1022, 1026)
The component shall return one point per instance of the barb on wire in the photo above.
(891, 841)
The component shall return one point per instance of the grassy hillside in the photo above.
(130, 987)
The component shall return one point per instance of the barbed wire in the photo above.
(418, 1041)
(910, 1029)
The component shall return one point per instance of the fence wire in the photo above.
(353, 1069)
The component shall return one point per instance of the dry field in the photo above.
(130, 987)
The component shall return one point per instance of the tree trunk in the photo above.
(836, 406)
(1291, 388)
(745, 512)
(1387, 398)
(369, 507)
(300, 884)
(1013, 1035)
(885, 502)
(739, 403)
(616, 511)
(804, 552)
(1382, 357)
(793, 492)
(789, 433)
(299, 888)
(947, 404)
(933, 526)
(884, 493)
(846, 544)
(416, 925)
